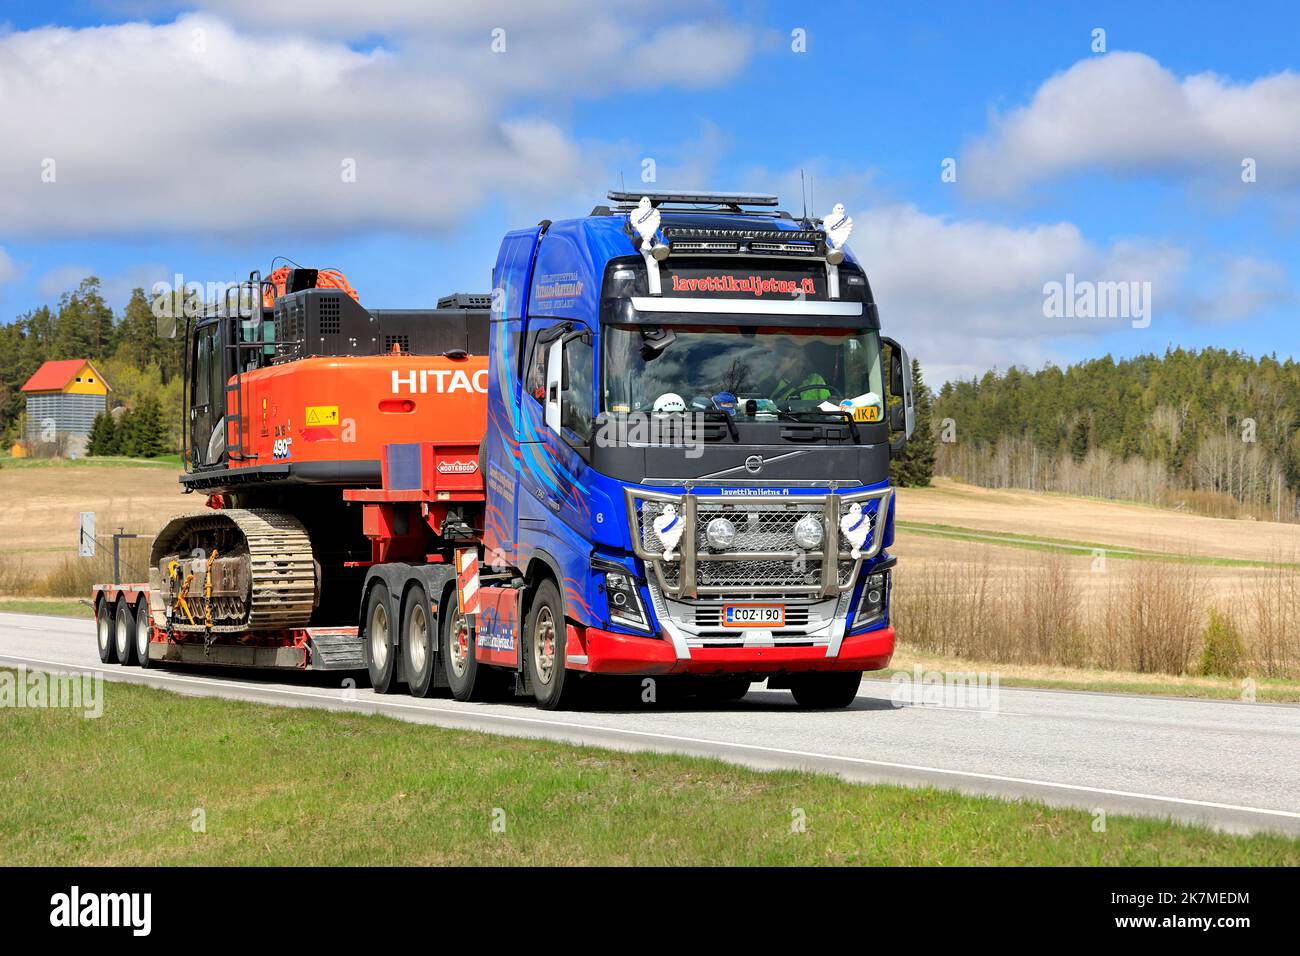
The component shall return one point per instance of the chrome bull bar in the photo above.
(694, 570)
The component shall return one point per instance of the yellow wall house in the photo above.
(63, 398)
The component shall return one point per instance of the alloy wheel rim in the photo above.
(459, 644)
(419, 637)
(142, 633)
(123, 639)
(379, 636)
(544, 645)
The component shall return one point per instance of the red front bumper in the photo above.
(610, 653)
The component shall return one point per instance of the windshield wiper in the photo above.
(713, 415)
(797, 416)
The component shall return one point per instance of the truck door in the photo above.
(558, 410)
(538, 480)
(207, 398)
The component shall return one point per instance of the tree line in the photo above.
(1212, 421)
(143, 368)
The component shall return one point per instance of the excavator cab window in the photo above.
(207, 397)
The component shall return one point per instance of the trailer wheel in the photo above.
(467, 677)
(142, 633)
(381, 656)
(104, 633)
(825, 691)
(124, 633)
(553, 684)
(419, 642)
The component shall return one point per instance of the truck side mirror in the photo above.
(554, 384)
(900, 386)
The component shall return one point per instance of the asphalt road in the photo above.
(1233, 765)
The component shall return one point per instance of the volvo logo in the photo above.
(754, 464)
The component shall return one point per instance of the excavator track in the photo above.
(267, 552)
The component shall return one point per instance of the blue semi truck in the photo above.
(686, 462)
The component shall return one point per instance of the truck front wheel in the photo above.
(544, 643)
(825, 691)
(381, 655)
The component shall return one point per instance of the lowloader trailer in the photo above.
(659, 448)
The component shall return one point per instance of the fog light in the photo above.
(720, 534)
(871, 606)
(808, 533)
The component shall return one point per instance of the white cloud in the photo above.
(350, 19)
(1241, 287)
(967, 295)
(8, 268)
(115, 286)
(1125, 113)
(196, 127)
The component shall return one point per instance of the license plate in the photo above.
(753, 615)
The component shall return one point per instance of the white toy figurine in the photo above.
(668, 526)
(856, 525)
(838, 225)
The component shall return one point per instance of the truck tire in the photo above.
(142, 633)
(544, 645)
(467, 677)
(419, 642)
(825, 691)
(124, 633)
(380, 654)
(104, 633)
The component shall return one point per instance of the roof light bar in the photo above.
(659, 196)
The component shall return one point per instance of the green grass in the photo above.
(1067, 546)
(289, 786)
(62, 607)
(162, 461)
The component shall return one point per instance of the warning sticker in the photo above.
(322, 415)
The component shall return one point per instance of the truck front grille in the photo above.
(763, 556)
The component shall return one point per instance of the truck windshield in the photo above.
(769, 371)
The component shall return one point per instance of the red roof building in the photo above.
(58, 376)
(63, 399)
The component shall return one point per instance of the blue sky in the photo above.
(207, 138)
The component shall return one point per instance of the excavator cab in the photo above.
(230, 339)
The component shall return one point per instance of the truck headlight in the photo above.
(808, 533)
(720, 534)
(624, 599)
(871, 605)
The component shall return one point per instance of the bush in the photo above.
(1222, 650)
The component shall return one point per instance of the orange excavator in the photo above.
(293, 390)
